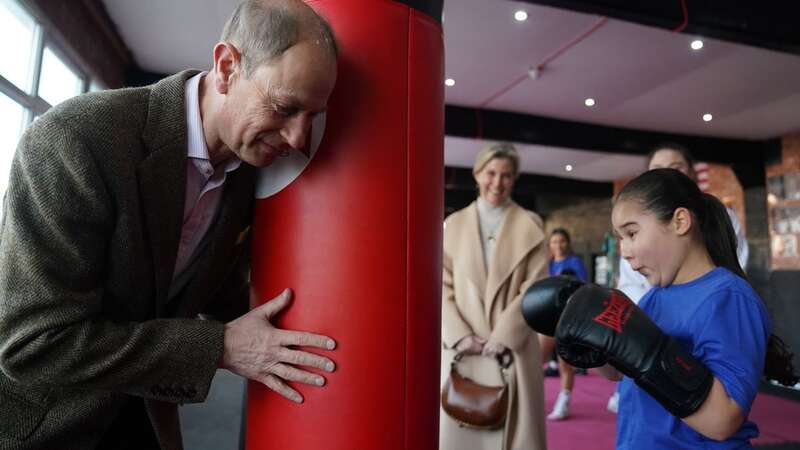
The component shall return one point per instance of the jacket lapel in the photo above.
(217, 260)
(518, 236)
(473, 253)
(162, 178)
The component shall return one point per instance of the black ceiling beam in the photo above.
(747, 157)
(461, 179)
(770, 25)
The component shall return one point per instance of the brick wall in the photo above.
(586, 219)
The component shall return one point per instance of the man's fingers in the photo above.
(301, 358)
(290, 373)
(275, 305)
(275, 383)
(305, 339)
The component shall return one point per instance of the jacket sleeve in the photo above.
(511, 329)
(454, 327)
(53, 253)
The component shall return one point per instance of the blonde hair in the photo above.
(498, 150)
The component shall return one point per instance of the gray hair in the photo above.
(263, 32)
(500, 150)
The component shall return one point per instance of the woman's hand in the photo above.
(472, 345)
(493, 349)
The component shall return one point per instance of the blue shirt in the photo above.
(573, 262)
(723, 322)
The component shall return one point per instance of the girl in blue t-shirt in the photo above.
(682, 241)
(563, 262)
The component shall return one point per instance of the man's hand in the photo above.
(471, 345)
(256, 350)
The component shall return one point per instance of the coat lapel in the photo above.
(217, 260)
(471, 237)
(162, 178)
(518, 236)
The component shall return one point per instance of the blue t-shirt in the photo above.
(723, 322)
(572, 262)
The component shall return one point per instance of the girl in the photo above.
(564, 262)
(682, 241)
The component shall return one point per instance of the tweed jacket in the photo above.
(88, 244)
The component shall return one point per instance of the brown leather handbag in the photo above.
(475, 405)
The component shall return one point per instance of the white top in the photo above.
(491, 219)
(635, 285)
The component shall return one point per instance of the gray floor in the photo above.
(215, 424)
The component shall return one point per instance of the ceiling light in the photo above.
(521, 16)
(568, 167)
(449, 82)
(707, 117)
(696, 44)
(589, 102)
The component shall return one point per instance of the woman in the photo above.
(563, 262)
(493, 250)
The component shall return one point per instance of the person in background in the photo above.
(493, 250)
(563, 262)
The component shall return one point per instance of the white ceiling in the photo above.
(643, 78)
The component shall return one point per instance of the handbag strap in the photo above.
(503, 359)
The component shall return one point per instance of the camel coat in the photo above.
(487, 303)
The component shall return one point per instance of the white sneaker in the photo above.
(561, 407)
(613, 403)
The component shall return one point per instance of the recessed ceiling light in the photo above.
(707, 117)
(696, 44)
(521, 16)
(568, 167)
(449, 82)
(589, 102)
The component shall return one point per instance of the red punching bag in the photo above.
(356, 233)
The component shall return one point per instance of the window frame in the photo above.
(32, 103)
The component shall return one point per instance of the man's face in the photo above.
(271, 111)
(670, 159)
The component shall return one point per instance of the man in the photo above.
(127, 216)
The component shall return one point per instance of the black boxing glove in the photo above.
(600, 324)
(544, 300)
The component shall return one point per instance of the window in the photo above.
(34, 76)
(57, 81)
(17, 30)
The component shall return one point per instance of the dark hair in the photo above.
(674, 146)
(662, 191)
(565, 233)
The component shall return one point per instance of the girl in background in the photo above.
(563, 262)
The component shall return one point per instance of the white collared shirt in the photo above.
(204, 182)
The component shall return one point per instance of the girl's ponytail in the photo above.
(718, 234)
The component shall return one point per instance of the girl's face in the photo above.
(653, 248)
(496, 180)
(559, 246)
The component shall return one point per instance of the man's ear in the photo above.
(682, 221)
(227, 65)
